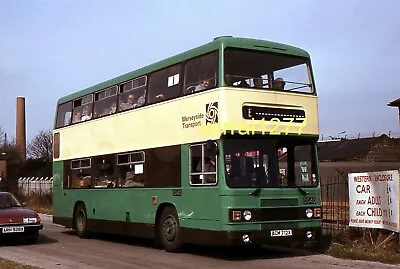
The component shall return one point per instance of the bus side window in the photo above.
(132, 93)
(105, 102)
(104, 171)
(201, 73)
(81, 173)
(203, 167)
(131, 169)
(64, 114)
(83, 108)
(165, 84)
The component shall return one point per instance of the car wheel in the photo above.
(80, 219)
(32, 238)
(170, 231)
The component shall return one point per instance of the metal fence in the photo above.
(37, 190)
(37, 185)
(335, 204)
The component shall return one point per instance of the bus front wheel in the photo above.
(80, 219)
(170, 231)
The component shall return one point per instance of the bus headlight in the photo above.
(309, 213)
(247, 215)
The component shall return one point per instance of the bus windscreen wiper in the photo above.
(256, 191)
(302, 191)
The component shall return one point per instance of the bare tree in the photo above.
(11, 150)
(41, 146)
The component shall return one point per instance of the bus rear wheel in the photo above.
(170, 230)
(80, 219)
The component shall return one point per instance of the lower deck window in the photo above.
(81, 179)
(104, 172)
(130, 169)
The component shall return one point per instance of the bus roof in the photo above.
(218, 42)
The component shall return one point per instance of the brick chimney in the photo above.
(21, 128)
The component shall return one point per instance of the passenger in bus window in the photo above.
(141, 101)
(204, 84)
(133, 180)
(109, 110)
(243, 83)
(130, 103)
(86, 115)
(113, 108)
(228, 80)
(209, 165)
(258, 82)
(111, 183)
(77, 117)
(279, 84)
(159, 97)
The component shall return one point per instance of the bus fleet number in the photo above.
(309, 200)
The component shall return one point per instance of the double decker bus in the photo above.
(214, 146)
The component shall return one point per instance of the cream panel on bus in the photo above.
(234, 116)
(164, 124)
(190, 119)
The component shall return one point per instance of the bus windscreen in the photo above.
(263, 70)
(270, 163)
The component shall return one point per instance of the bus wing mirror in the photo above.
(212, 147)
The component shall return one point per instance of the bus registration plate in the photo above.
(13, 230)
(275, 233)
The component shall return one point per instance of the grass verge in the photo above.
(44, 209)
(41, 203)
(362, 252)
(6, 264)
(367, 245)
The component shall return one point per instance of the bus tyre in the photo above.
(170, 231)
(80, 219)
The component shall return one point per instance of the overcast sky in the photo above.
(49, 49)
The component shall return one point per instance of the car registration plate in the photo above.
(15, 229)
(275, 233)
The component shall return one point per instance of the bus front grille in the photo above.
(279, 202)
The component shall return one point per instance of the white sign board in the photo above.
(374, 200)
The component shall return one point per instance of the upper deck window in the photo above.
(64, 113)
(165, 84)
(83, 108)
(201, 73)
(105, 102)
(132, 93)
(263, 70)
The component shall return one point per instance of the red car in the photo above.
(16, 221)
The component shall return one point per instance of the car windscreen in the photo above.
(7, 200)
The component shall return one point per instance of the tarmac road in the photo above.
(58, 247)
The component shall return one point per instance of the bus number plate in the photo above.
(275, 233)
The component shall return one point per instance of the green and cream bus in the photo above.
(215, 146)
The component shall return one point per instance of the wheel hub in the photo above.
(81, 220)
(170, 229)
